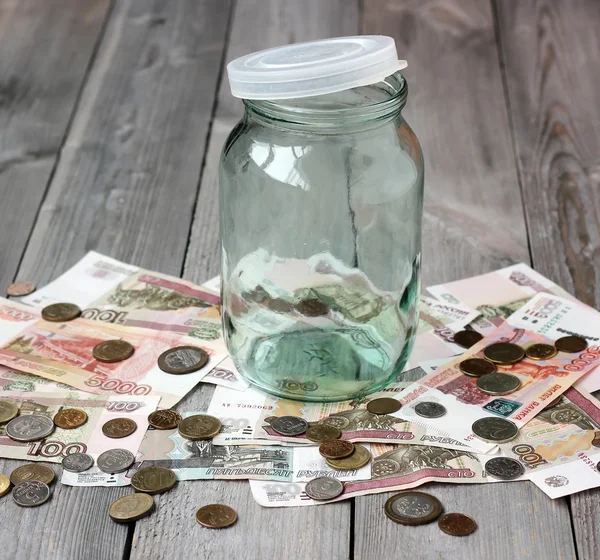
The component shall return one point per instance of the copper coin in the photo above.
(153, 480)
(323, 432)
(166, 419)
(182, 360)
(457, 524)
(112, 351)
(413, 508)
(119, 428)
(541, 351)
(18, 289)
(199, 427)
(216, 516)
(336, 449)
(504, 353)
(476, 367)
(131, 507)
(32, 471)
(353, 462)
(571, 344)
(61, 312)
(312, 308)
(383, 406)
(8, 411)
(70, 418)
(467, 338)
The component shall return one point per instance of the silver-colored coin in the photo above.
(504, 468)
(31, 493)
(115, 461)
(428, 409)
(566, 416)
(495, 430)
(29, 427)
(324, 488)
(77, 462)
(498, 383)
(289, 425)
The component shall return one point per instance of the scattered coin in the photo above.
(182, 359)
(199, 426)
(413, 508)
(60, 312)
(541, 351)
(324, 488)
(113, 351)
(495, 430)
(77, 462)
(29, 427)
(323, 432)
(289, 425)
(498, 383)
(566, 416)
(32, 471)
(504, 468)
(476, 367)
(383, 406)
(571, 344)
(598, 466)
(153, 480)
(8, 411)
(131, 507)
(336, 449)
(216, 516)
(18, 289)
(4, 485)
(457, 524)
(70, 418)
(466, 338)
(428, 409)
(504, 353)
(165, 419)
(358, 459)
(119, 428)
(115, 461)
(31, 493)
(312, 308)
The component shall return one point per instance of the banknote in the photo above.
(85, 439)
(226, 374)
(14, 380)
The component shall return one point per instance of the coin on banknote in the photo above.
(495, 430)
(115, 461)
(289, 425)
(32, 471)
(467, 338)
(113, 351)
(571, 344)
(323, 432)
(312, 308)
(357, 460)
(30, 427)
(498, 383)
(4, 485)
(70, 418)
(31, 493)
(153, 480)
(61, 312)
(383, 406)
(476, 367)
(119, 428)
(541, 351)
(429, 409)
(324, 488)
(199, 426)
(457, 524)
(182, 359)
(216, 516)
(336, 449)
(165, 419)
(18, 289)
(504, 468)
(504, 353)
(131, 507)
(413, 508)
(77, 462)
(8, 411)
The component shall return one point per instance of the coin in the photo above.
(153, 480)
(29, 427)
(413, 508)
(31, 493)
(428, 409)
(115, 461)
(565, 416)
(119, 428)
(324, 488)
(113, 351)
(476, 367)
(312, 308)
(77, 462)
(466, 338)
(495, 430)
(199, 426)
(504, 353)
(322, 432)
(571, 344)
(166, 419)
(32, 471)
(216, 516)
(8, 411)
(358, 459)
(457, 524)
(4, 485)
(498, 383)
(70, 418)
(131, 507)
(541, 351)
(383, 406)
(60, 312)
(504, 468)
(336, 449)
(17, 289)
(289, 425)
(182, 359)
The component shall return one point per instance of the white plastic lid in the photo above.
(314, 68)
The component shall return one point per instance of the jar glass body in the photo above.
(321, 203)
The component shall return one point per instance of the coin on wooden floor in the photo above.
(70, 418)
(31, 493)
(357, 460)
(504, 353)
(153, 480)
(495, 430)
(131, 507)
(216, 516)
(457, 524)
(182, 359)
(336, 449)
(498, 383)
(467, 338)
(4, 485)
(113, 351)
(429, 409)
(504, 468)
(115, 461)
(383, 406)
(476, 367)
(312, 308)
(289, 425)
(77, 462)
(199, 426)
(18, 289)
(323, 432)
(119, 428)
(541, 351)
(32, 471)
(413, 508)
(324, 488)
(165, 419)
(571, 344)
(61, 312)
(8, 411)
(29, 427)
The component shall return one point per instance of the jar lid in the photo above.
(314, 67)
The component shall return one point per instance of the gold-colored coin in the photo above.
(4, 485)
(32, 471)
(358, 459)
(112, 351)
(323, 432)
(541, 351)
(153, 480)
(61, 312)
(336, 449)
(131, 507)
(165, 419)
(216, 516)
(383, 406)
(8, 411)
(503, 353)
(70, 418)
(199, 426)
(119, 428)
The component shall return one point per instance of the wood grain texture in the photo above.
(40, 80)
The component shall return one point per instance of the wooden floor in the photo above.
(112, 117)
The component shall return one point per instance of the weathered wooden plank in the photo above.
(554, 100)
(45, 49)
(473, 223)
